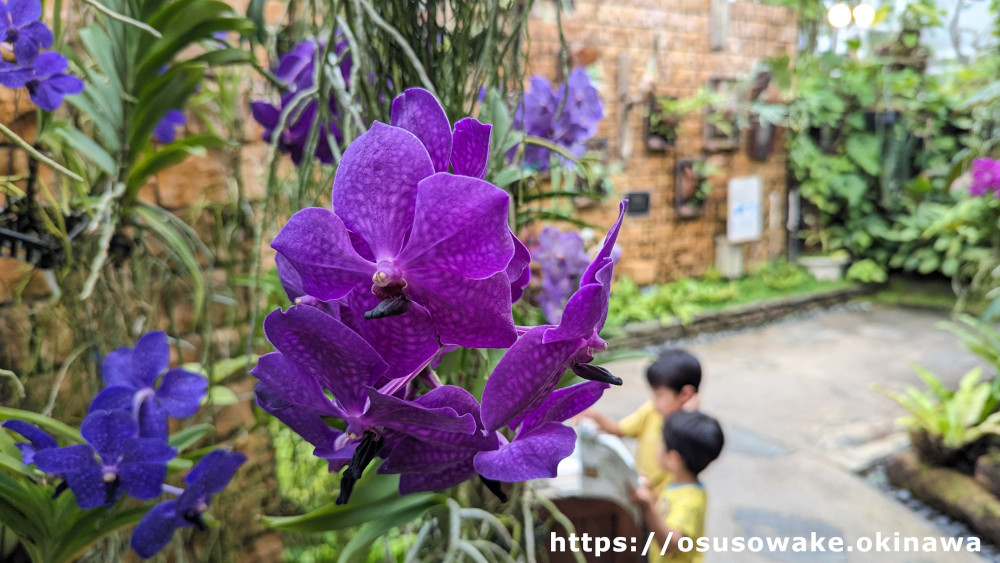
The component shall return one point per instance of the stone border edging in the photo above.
(638, 335)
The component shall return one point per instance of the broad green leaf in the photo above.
(372, 530)
(186, 438)
(221, 396)
(48, 424)
(86, 146)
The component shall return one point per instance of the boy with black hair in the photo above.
(692, 440)
(673, 379)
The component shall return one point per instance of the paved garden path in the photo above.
(801, 418)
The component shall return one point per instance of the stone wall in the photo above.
(618, 40)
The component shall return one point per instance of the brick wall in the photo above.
(662, 246)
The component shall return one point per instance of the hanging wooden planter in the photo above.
(661, 125)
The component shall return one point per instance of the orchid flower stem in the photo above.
(529, 538)
(403, 44)
(559, 517)
(123, 18)
(39, 156)
(17, 382)
(171, 490)
(538, 141)
(425, 530)
(63, 370)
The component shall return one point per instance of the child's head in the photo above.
(691, 441)
(673, 378)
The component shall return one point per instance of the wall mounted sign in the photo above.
(638, 204)
(745, 219)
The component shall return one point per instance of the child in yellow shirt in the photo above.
(673, 380)
(692, 440)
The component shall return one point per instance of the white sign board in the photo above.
(746, 211)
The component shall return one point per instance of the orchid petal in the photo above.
(327, 350)
(415, 420)
(143, 480)
(584, 310)
(375, 189)
(589, 276)
(153, 420)
(89, 487)
(318, 245)
(440, 480)
(293, 385)
(418, 111)
(116, 369)
(524, 377)
(306, 423)
(181, 392)
(213, 472)
(460, 225)
(67, 459)
(532, 455)
(518, 272)
(107, 431)
(24, 11)
(111, 398)
(470, 313)
(405, 341)
(156, 529)
(150, 357)
(565, 403)
(415, 456)
(470, 151)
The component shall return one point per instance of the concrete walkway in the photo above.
(801, 418)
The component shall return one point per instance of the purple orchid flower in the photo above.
(20, 26)
(420, 235)
(985, 176)
(530, 370)
(127, 462)
(37, 439)
(566, 116)
(296, 70)
(131, 375)
(563, 260)
(209, 477)
(166, 130)
(45, 80)
(316, 353)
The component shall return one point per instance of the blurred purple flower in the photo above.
(131, 375)
(296, 70)
(127, 462)
(563, 260)
(985, 176)
(212, 473)
(37, 439)
(166, 130)
(569, 126)
(410, 231)
(45, 80)
(20, 26)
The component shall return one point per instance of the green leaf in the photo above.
(50, 425)
(865, 150)
(82, 144)
(154, 219)
(186, 438)
(220, 396)
(171, 155)
(371, 531)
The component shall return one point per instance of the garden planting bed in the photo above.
(736, 317)
(958, 504)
